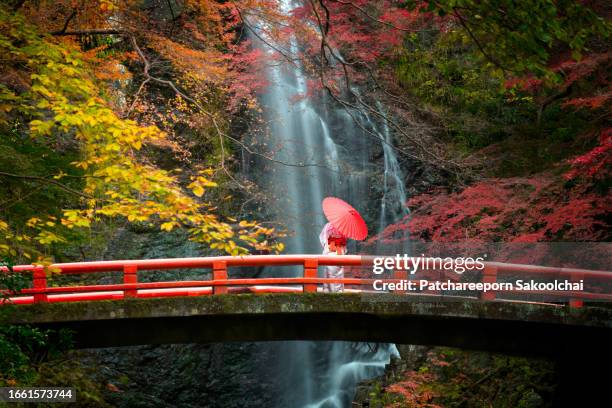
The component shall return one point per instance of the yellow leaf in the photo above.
(198, 190)
(167, 226)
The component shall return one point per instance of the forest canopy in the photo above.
(121, 111)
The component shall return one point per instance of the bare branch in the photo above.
(6, 204)
(426, 153)
(326, 16)
(169, 2)
(465, 25)
(70, 17)
(136, 96)
(48, 181)
(273, 160)
(371, 17)
(212, 117)
(246, 23)
(95, 31)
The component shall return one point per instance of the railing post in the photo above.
(130, 275)
(39, 281)
(401, 275)
(489, 275)
(219, 273)
(574, 301)
(311, 267)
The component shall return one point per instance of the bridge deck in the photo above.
(521, 327)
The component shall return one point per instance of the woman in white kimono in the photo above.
(333, 243)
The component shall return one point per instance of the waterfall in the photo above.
(318, 151)
(393, 203)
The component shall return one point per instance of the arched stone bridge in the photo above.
(266, 309)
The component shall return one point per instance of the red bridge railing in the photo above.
(598, 287)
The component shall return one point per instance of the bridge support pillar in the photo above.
(39, 281)
(311, 271)
(219, 273)
(130, 276)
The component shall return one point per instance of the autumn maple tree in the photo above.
(59, 98)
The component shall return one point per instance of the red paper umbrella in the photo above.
(345, 218)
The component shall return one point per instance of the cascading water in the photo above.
(393, 204)
(318, 152)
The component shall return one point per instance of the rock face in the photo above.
(191, 375)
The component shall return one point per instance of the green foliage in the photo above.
(22, 346)
(441, 70)
(519, 37)
(465, 67)
(23, 199)
(73, 373)
(11, 282)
